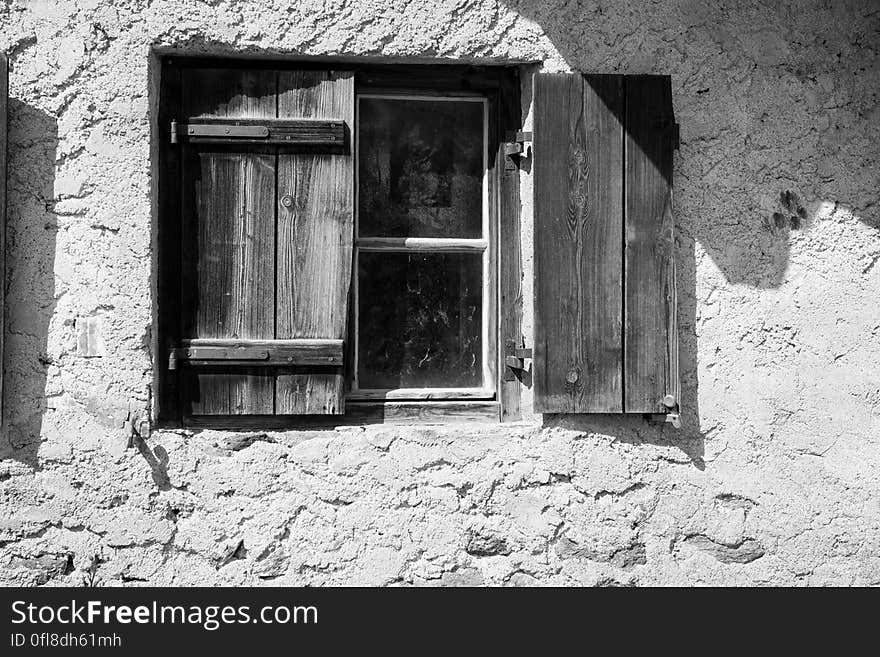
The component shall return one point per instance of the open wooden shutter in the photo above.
(267, 214)
(4, 105)
(605, 332)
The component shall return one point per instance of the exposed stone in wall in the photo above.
(772, 479)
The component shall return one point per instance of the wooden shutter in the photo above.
(4, 104)
(266, 241)
(605, 334)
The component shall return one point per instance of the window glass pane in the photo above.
(420, 168)
(419, 320)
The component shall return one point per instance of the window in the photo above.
(328, 243)
(343, 244)
(423, 285)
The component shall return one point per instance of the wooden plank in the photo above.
(228, 93)
(411, 394)
(578, 251)
(310, 391)
(4, 105)
(226, 392)
(433, 244)
(650, 339)
(232, 241)
(315, 232)
(442, 79)
(509, 249)
(420, 413)
(274, 353)
(228, 269)
(424, 413)
(490, 222)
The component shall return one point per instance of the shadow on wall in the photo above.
(752, 168)
(633, 429)
(30, 278)
(773, 119)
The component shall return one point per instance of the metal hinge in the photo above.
(257, 353)
(514, 146)
(673, 417)
(215, 354)
(665, 418)
(312, 133)
(514, 360)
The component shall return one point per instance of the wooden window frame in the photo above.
(486, 245)
(499, 85)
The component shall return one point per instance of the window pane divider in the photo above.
(433, 244)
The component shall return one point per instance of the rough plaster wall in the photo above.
(773, 478)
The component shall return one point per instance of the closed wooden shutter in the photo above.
(605, 332)
(4, 104)
(266, 242)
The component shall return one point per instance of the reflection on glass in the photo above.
(419, 319)
(420, 168)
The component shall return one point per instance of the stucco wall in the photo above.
(772, 479)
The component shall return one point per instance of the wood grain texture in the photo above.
(578, 243)
(228, 242)
(273, 353)
(424, 413)
(233, 391)
(232, 267)
(329, 135)
(651, 338)
(230, 93)
(310, 391)
(434, 244)
(509, 246)
(314, 238)
(417, 413)
(4, 104)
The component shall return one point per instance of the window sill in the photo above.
(358, 413)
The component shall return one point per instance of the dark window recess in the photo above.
(313, 265)
(606, 336)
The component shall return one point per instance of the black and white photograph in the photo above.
(337, 295)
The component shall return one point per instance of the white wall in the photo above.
(773, 478)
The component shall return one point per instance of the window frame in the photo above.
(499, 85)
(485, 245)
